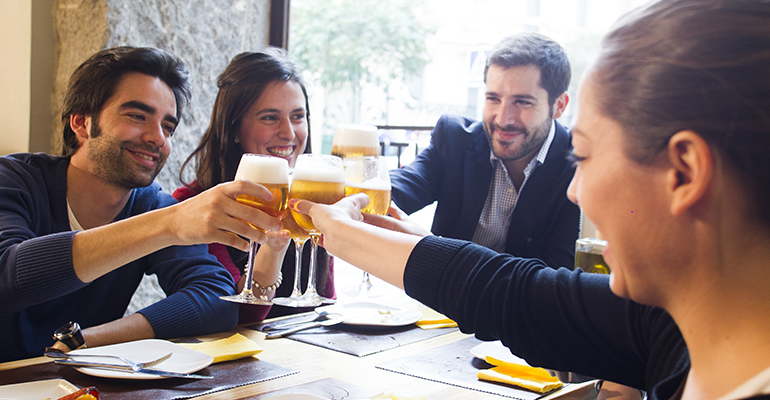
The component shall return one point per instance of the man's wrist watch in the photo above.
(70, 335)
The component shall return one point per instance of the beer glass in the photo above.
(299, 236)
(273, 173)
(320, 179)
(368, 175)
(355, 141)
(588, 255)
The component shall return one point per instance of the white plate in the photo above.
(183, 360)
(368, 313)
(497, 350)
(38, 390)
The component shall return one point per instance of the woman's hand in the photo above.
(378, 251)
(277, 240)
(398, 221)
(325, 216)
(329, 217)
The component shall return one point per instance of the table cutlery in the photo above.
(323, 315)
(133, 365)
(126, 368)
(327, 322)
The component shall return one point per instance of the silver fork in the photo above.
(133, 365)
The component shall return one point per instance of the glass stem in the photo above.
(312, 269)
(298, 244)
(247, 286)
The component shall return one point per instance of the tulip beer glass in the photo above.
(273, 173)
(321, 179)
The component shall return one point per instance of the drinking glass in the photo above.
(319, 178)
(368, 175)
(588, 255)
(272, 173)
(299, 236)
(352, 140)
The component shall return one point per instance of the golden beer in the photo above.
(276, 207)
(379, 196)
(296, 231)
(354, 151)
(270, 172)
(315, 191)
(588, 255)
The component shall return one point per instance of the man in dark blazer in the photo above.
(502, 182)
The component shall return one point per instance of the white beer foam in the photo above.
(319, 174)
(263, 169)
(356, 136)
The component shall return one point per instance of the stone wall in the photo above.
(206, 34)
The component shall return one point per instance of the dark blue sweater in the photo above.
(39, 290)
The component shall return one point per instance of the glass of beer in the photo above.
(272, 173)
(588, 255)
(320, 179)
(368, 175)
(355, 140)
(299, 236)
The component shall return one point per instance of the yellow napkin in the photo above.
(532, 378)
(431, 319)
(232, 348)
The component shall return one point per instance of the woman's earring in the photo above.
(237, 140)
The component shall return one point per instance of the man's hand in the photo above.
(215, 216)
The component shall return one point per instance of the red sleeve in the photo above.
(220, 252)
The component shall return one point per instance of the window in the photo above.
(407, 62)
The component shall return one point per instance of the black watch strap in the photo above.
(70, 335)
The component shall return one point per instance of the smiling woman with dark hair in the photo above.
(261, 107)
(671, 145)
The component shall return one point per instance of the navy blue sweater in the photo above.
(39, 290)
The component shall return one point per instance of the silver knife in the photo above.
(328, 322)
(126, 368)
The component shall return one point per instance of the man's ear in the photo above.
(691, 173)
(560, 104)
(80, 124)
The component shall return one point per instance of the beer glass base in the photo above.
(288, 301)
(246, 299)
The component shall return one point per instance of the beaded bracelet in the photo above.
(271, 287)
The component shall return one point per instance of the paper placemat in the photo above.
(454, 365)
(329, 388)
(358, 340)
(227, 375)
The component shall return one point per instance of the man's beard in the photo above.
(533, 139)
(112, 165)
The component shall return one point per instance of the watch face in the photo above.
(66, 330)
(69, 334)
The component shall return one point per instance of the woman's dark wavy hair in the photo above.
(699, 65)
(240, 84)
(94, 82)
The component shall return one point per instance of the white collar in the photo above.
(74, 224)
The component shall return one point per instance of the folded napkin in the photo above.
(525, 376)
(431, 319)
(232, 348)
